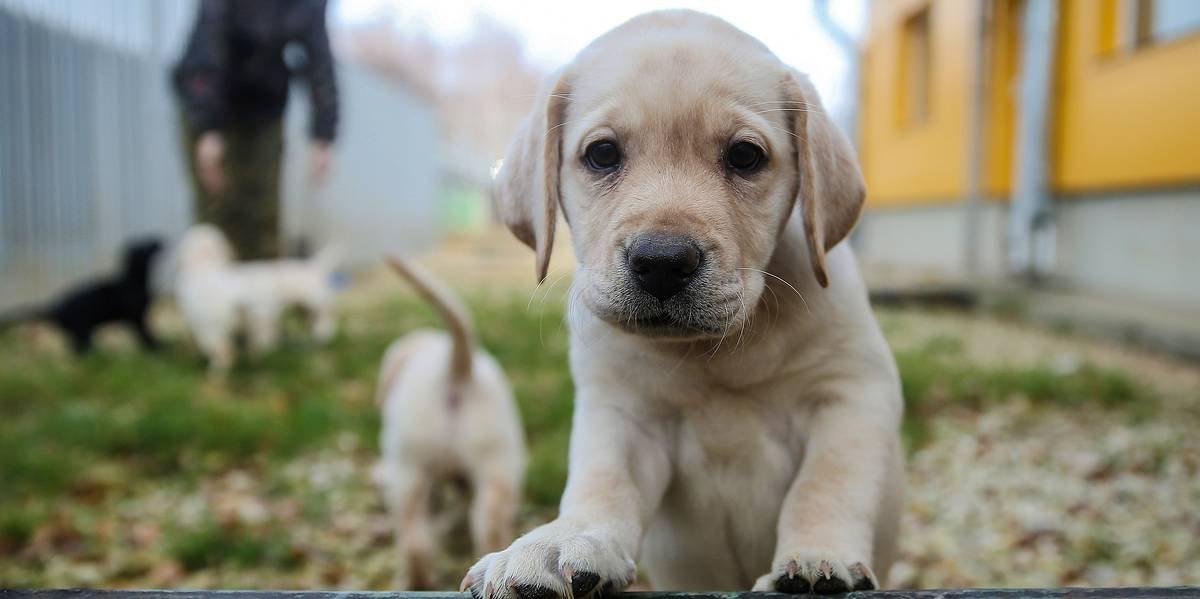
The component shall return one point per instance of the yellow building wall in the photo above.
(1125, 118)
(1122, 118)
(924, 162)
(1004, 63)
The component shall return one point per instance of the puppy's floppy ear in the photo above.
(526, 189)
(832, 189)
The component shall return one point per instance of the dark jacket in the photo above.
(234, 72)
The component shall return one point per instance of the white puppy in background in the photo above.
(218, 295)
(448, 412)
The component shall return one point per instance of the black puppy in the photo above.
(124, 298)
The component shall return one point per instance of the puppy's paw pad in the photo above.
(583, 583)
(529, 591)
(821, 576)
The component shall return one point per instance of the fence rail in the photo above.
(1068, 593)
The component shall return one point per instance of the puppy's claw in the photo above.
(468, 581)
(825, 569)
(792, 568)
(864, 579)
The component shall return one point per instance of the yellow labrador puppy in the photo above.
(737, 407)
(448, 412)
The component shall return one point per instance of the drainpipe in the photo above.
(977, 144)
(1031, 243)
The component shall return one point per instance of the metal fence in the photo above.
(90, 154)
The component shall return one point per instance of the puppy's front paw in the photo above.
(820, 574)
(555, 561)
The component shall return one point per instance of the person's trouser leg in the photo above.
(248, 211)
(254, 156)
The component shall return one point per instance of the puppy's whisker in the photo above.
(549, 289)
(804, 110)
(572, 316)
(745, 320)
(781, 130)
(533, 294)
(800, 102)
(542, 307)
(536, 96)
(724, 333)
(686, 355)
(781, 280)
(545, 297)
(551, 129)
(775, 300)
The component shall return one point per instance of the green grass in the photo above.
(156, 416)
(126, 420)
(936, 376)
(210, 545)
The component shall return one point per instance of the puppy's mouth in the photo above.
(667, 327)
(677, 322)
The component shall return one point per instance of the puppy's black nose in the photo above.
(663, 264)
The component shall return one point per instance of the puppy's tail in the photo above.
(451, 310)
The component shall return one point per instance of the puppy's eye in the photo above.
(602, 155)
(744, 156)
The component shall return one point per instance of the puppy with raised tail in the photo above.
(448, 413)
(737, 409)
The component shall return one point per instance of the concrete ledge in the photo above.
(1173, 330)
(1068, 593)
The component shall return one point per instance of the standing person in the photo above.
(232, 82)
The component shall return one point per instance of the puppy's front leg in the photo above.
(838, 520)
(618, 473)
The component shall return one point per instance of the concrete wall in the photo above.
(1141, 244)
(928, 244)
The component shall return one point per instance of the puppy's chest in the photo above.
(723, 445)
(732, 468)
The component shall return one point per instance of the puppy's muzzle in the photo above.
(662, 264)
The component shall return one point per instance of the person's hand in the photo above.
(210, 162)
(320, 160)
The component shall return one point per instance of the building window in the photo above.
(915, 69)
(1159, 21)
